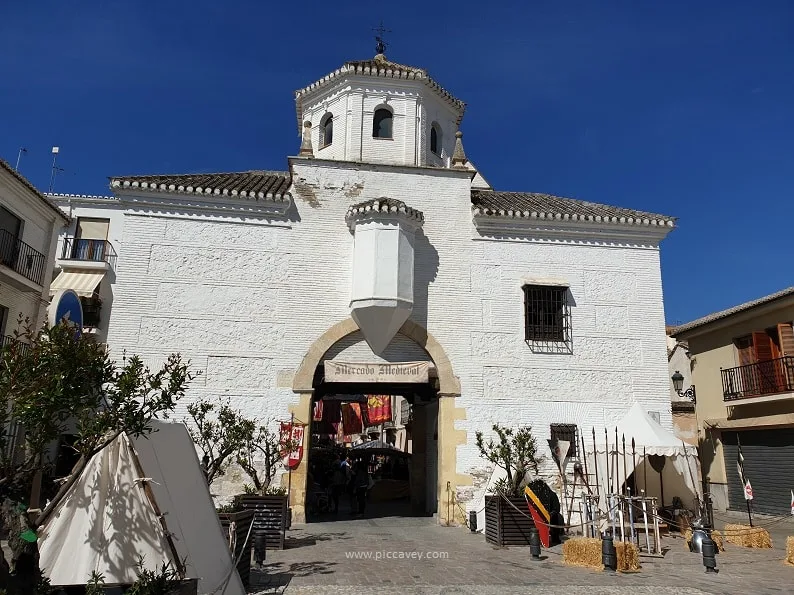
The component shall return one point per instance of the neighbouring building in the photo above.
(29, 228)
(743, 367)
(381, 261)
(682, 391)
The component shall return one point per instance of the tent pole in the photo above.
(147, 489)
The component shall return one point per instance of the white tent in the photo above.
(111, 517)
(679, 477)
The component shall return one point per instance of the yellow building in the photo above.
(743, 367)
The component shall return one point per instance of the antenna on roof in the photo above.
(380, 47)
(55, 169)
(19, 157)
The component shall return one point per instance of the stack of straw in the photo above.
(582, 551)
(790, 551)
(586, 551)
(716, 536)
(628, 556)
(747, 536)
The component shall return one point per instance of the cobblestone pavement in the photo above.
(320, 558)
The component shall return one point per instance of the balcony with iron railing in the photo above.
(767, 380)
(10, 340)
(21, 258)
(88, 251)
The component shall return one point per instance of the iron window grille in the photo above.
(566, 432)
(547, 318)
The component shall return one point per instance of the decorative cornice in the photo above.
(87, 197)
(390, 207)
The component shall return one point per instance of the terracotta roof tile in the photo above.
(731, 311)
(256, 184)
(526, 205)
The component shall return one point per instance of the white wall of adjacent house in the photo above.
(96, 208)
(245, 298)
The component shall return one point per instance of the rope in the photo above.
(225, 582)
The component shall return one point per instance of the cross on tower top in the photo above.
(380, 47)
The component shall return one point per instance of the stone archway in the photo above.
(449, 438)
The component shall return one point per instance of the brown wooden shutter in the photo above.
(785, 333)
(762, 345)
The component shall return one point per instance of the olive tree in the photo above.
(56, 381)
(515, 451)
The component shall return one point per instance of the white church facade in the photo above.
(380, 242)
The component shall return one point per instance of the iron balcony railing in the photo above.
(10, 340)
(18, 256)
(93, 250)
(761, 378)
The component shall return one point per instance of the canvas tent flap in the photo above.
(646, 432)
(169, 457)
(108, 489)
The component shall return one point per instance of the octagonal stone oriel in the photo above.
(382, 295)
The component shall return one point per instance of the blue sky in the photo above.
(679, 107)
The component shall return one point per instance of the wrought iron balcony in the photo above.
(88, 250)
(8, 340)
(760, 379)
(21, 258)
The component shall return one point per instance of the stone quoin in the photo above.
(379, 247)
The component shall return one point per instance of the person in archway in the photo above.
(361, 485)
(338, 483)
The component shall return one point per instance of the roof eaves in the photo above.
(25, 182)
(727, 313)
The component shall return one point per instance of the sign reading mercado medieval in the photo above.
(413, 372)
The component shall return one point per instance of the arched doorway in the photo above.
(445, 387)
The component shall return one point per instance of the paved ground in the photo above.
(321, 559)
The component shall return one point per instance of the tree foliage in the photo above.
(54, 382)
(515, 451)
(226, 436)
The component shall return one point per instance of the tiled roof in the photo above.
(383, 205)
(731, 311)
(531, 205)
(257, 184)
(378, 66)
(60, 196)
(24, 181)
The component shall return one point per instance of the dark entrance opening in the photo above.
(395, 459)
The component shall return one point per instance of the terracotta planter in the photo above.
(504, 525)
(270, 517)
(242, 521)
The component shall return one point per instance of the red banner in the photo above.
(378, 409)
(291, 444)
(318, 411)
(351, 418)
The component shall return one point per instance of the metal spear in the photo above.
(586, 476)
(625, 475)
(595, 462)
(617, 468)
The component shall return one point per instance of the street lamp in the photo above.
(678, 384)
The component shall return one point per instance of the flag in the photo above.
(748, 491)
(378, 409)
(792, 501)
(318, 411)
(351, 418)
(559, 451)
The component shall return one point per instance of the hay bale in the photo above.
(628, 556)
(747, 536)
(790, 551)
(582, 551)
(716, 536)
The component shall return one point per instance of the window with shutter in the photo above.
(785, 333)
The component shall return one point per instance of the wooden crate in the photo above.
(504, 525)
(242, 550)
(270, 517)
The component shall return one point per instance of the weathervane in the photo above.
(380, 48)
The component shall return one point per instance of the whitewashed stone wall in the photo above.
(245, 299)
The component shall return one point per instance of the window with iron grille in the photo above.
(566, 432)
(547, 314)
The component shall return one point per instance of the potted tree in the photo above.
(268, 503)
(221, 432)
(507, 518)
